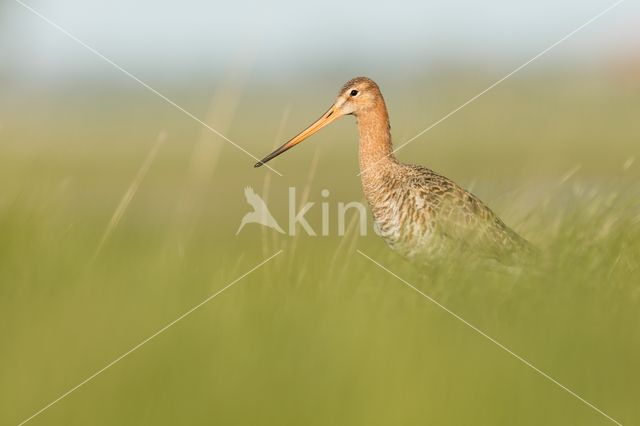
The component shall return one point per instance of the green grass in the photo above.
(320, 335)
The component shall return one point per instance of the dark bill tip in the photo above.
(258, 164)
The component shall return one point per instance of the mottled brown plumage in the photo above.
(420, 213)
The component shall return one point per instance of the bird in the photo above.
(419, 213)
(260, 213)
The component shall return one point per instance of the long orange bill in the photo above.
(327, 118)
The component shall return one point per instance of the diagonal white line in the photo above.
(572, 33)
(494, 341)
(142, 83)
(136, 347)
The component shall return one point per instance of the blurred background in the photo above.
(196, 40)
(118, 212)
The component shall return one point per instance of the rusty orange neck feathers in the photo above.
(375, 148)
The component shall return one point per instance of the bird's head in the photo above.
(357, 96)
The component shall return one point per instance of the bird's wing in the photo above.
(461, 216)
(478, 225)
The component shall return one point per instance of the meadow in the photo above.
(319, 334)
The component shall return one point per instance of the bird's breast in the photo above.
(404, 219)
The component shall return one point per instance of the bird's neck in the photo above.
(376, 152)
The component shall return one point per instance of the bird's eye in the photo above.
(354, 92)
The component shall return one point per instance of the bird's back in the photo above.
(423, 214)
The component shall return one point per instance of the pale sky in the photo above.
(288, 36)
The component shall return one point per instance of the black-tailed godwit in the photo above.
(419, 213)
